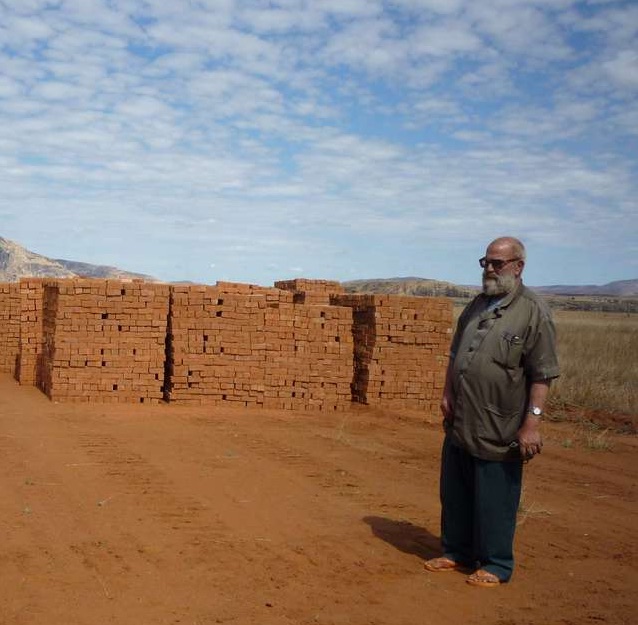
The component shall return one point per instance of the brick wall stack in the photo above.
(303, 344)
(241, 288)
(104, 341)
(309, 362)
(253, 346)
(306, 291)
(9, 326)
(29, 363)
(401, 346)
(216, 348)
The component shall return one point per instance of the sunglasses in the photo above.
(497, 264)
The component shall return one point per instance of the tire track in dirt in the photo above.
(332, 462)
(133, 476)
(331, 465)
(111, 543)
(266, 563)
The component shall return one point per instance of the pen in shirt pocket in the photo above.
(511, 338)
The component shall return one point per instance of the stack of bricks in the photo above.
(29, 363)
(104, 341)
(309, 357)
(9, 326)
(307, 291)
(401, 349)
(242, 288)
(216, 346)
(252, 346)
(303, 344)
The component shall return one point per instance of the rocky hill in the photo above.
(410, 286)
(17, 262)
(425, 286)
(619, 288)
(621, 296)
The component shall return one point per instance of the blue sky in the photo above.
(254, 140)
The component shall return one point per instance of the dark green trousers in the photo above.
(479, 500)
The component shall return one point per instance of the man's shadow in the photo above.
(405, 536)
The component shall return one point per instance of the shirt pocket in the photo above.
(509, 351)
(499, 426)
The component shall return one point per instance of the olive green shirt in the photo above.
(498, 350)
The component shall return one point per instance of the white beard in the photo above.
(499, 285)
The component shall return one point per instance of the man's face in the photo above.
(501, 278)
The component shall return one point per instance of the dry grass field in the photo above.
(598, 355)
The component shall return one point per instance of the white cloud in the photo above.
(277, 20)
(351, 8)
(178, 63)
(53, 90)
(370, 45)
(9, 87)
(444, 39)
(28, 28)
(300, 134)
(145, 107)
(617, 25)
(623, 69)
(521, 29)
(623, 121)
(437, 6)
(234, 93)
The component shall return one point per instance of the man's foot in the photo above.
(484, 579)
(442, 564)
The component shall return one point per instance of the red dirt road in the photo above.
(135, 515)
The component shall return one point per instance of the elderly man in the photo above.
(502, 361)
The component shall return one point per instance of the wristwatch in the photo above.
(536, 411)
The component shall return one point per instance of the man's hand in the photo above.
(529, 438)
(447, 407)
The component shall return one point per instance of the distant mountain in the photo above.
(428, 287)
(410, 286)
(620, 288)
(87, 270)
(17, 262)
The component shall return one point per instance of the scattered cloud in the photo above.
(623, 69)
(341, 137)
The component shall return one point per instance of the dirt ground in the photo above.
(164, 515)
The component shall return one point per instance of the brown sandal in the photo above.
(484, 579)
(441, 565)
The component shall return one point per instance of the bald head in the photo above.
(502, 266)
(510, 245)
